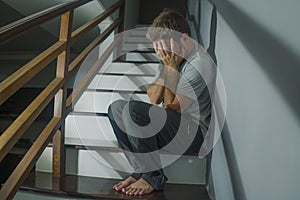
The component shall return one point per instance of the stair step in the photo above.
(98, 102)
(89, 187)
(132, 68)
(90, 127)
(100, 144)
(109, 82)
(137, 39)
(125, 74)
(138, 62)
(138, 31)
(132, 56)
(129, 47)
(92, 161)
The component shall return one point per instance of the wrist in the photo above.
(171, 69)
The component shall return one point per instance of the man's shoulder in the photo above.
(198, 65)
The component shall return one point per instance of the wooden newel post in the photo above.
(60, 97)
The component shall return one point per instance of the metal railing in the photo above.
(56, 90)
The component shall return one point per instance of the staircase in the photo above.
(89, 139)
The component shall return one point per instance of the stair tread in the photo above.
(110, 82)
(83, 143)
(142, 56)
(131, 68)
(102, 144)
(91, 187)
(137, 62)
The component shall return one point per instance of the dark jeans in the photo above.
(144, 137)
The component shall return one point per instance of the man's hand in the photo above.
(169, 52)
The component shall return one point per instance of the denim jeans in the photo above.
(144, 131)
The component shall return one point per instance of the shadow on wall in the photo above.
(278, 61)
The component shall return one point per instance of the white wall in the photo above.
(258, 53)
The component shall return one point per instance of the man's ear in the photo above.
(184, 37)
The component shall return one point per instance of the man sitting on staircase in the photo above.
(145, 130)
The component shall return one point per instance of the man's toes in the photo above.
(137, 191)
(146, 190)
(132, 192)
(121, 185)
(129, 191)
(116, 187)
(126, 189)
(141, 192)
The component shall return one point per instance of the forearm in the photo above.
(155, 93)
(156, 90)
(170, 86)
(171, 60)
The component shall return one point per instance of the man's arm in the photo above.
(156, 89)
(172, 61)
(176, 102)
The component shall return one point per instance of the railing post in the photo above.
(60, 98)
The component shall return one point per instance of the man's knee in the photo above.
(115, 109)
(138, 111)
(138, 107)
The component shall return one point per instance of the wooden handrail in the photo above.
(21, 26)
(56, 89)
(88, 26)
(58, 151)
(22, 170)
(18, 79)
(75, 63)
(11, 135)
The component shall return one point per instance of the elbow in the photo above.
(148, 91)
(154, 101)
(174, 107)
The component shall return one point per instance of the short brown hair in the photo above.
(167, 19)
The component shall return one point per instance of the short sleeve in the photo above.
(190, 84)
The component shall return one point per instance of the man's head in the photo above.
(171, 24)
(166, 23)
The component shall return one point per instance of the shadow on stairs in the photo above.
(73, 186)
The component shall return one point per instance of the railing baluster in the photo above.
(61, 96)
(13, 183)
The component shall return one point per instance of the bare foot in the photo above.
(123, 184)
(140, 187)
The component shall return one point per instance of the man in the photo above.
(144, 129)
